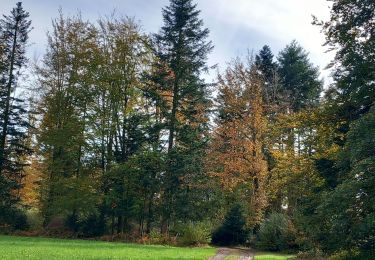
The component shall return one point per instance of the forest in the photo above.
(121, 136)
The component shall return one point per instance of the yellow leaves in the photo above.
(293, 177)
(301, 138)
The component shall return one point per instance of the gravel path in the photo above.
(242, 254)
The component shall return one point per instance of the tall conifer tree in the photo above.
(300, 78)
(265, 63)
(14, 29)
(182, 50)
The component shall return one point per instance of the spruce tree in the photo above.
(14, 29)
(182, 49)
(274, 95)
(300, 78)
(264, 60)
(233, 230)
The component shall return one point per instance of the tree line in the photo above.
(122, 135)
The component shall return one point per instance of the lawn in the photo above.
(12, 247)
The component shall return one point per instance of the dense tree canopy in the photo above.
(129, 139)
(350, 32)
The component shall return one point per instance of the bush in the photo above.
(34, 219)
(72, 222)
(157, 238)
(353, 255)
(313, 253)
(12, 219)
(57, 226)
(92, 226)
(233, 230)
(276, 233)
(19, 221)
(195, 233)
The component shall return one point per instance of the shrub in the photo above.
(195, 233)
(72, 222)
(86, 226)
(57, 226)
(34, 219)
(92, 226)
(12, 219)
(313, 253)
(233, 230)
(276, 233)
(353, 255)
(19, 221)
(157, 238)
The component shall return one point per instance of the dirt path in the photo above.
(242, 254)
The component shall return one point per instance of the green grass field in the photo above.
(12, 247)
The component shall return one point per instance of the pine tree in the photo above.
(14, 30)
(2, 60)
(182, 49)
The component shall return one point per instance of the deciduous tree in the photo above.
(236, 155)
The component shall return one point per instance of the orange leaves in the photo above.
(236, 157)
(29, 192)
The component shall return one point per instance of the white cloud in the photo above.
(235, 25)
(278, 21)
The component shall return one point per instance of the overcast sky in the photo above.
(235, 25)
